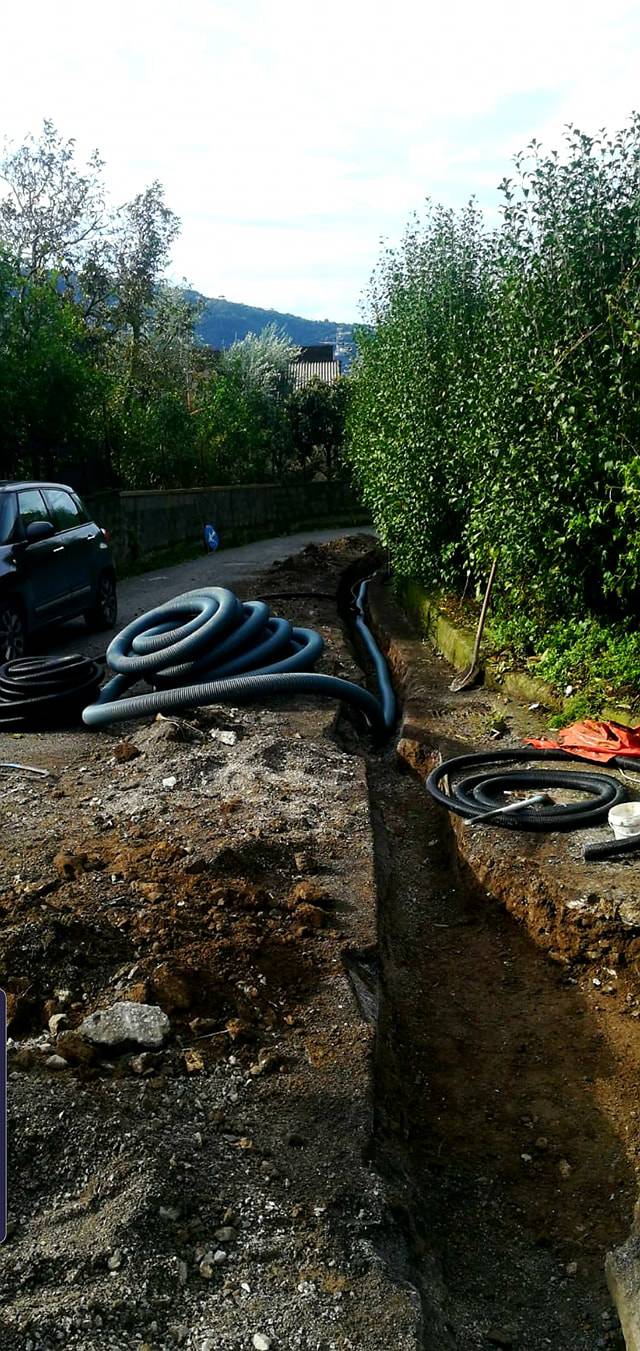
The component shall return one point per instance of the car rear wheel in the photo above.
(104, 612)
(13, 632)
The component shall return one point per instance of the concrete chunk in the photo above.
(622, 1269)
(142, 1024)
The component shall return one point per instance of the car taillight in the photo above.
(105, 534)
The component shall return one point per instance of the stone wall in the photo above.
(147, 523)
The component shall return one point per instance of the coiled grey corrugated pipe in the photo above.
(207, 647)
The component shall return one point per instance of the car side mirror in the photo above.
(39, 530)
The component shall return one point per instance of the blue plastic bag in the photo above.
(211, 538)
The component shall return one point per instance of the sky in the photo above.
(292, 138)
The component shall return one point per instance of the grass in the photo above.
(590, 667)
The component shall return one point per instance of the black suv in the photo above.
(55, 564)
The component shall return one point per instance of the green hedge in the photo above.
(496, 407)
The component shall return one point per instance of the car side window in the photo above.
(8, 517)
(64, 511)
(83, 514)
(32, 507)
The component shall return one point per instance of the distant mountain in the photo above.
(224, 322)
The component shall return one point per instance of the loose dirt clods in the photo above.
(221, 1185)
(207, 1189)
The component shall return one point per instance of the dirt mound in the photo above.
(203, 1193)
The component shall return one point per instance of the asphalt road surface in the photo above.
(230, 567)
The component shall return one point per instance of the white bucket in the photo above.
(625, 820)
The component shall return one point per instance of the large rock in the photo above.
(629, 913)
(75, 1048)
(140, 1024)
(622, 1269)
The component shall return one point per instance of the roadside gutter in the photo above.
(455, 643)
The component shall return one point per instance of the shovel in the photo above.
(467, 678)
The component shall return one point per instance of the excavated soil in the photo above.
(509, 982)
(237, 1184)
(218, 866)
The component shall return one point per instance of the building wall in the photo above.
(143, 524)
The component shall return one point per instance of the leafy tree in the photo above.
(233, 444)
(144, 232)
(158, 399)
(95, 349)
(261, 362)
(259, 367)
(49, 387)
(154, 360)
(51, 211)
(496, 406)
(317, 414)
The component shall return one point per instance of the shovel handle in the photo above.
(509, 809)
(483, 612)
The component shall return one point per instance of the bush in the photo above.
(316, 414)
(496, 409)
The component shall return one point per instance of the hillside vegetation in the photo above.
(222, 322)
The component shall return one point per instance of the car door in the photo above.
(77, 535)
(39, 565)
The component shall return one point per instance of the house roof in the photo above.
(304, 371)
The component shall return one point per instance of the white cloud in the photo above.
(290, 138)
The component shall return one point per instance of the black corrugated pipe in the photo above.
(471, 795)
(39, 691)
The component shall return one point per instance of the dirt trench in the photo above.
(513, 1185)
(502, 1109)
(505, 1112)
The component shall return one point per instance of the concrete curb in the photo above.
(455, 643)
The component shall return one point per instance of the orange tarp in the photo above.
(592, 740)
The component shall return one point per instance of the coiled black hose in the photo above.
(207, 647)
(38, 691)
(471, 794)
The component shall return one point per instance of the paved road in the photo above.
(229, 568)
